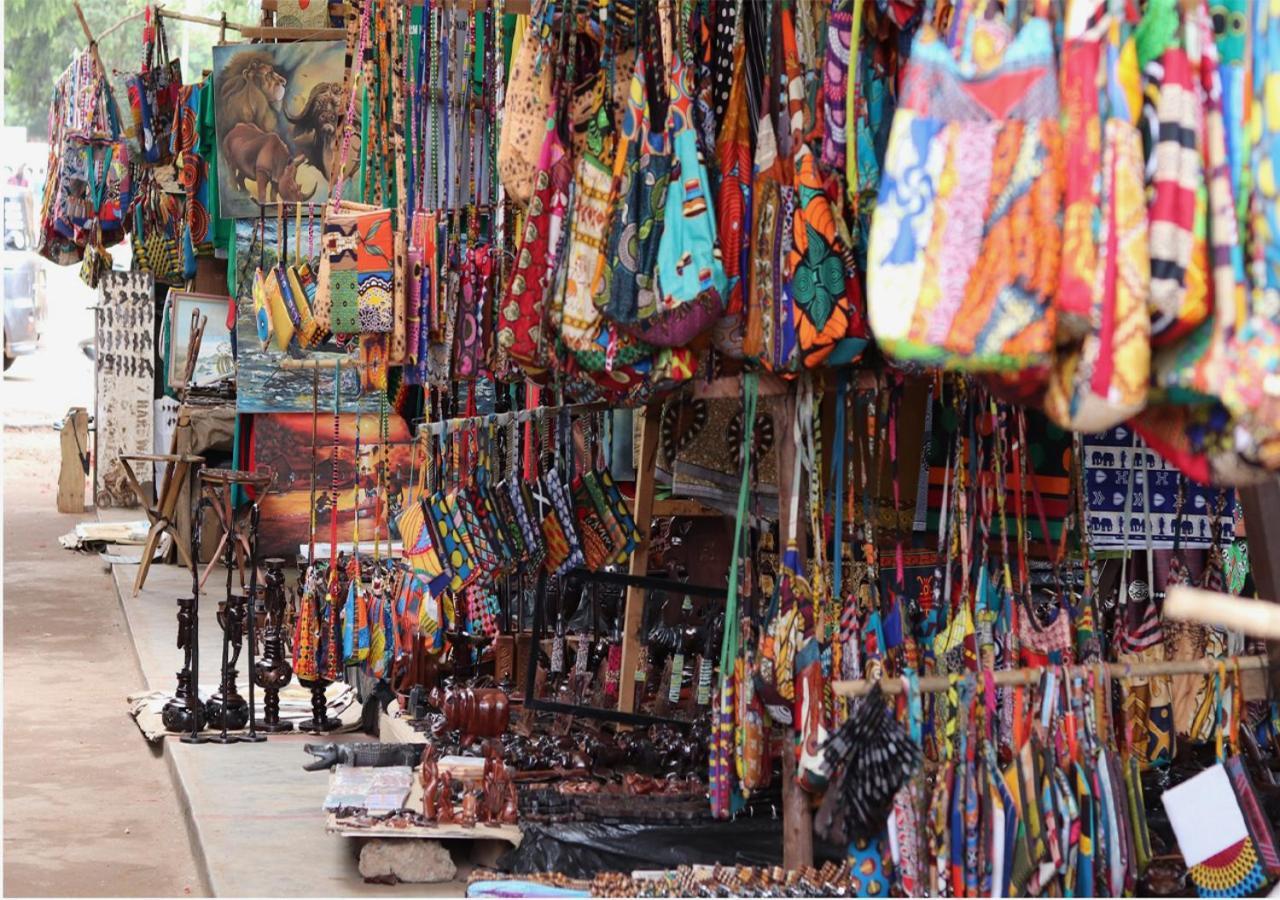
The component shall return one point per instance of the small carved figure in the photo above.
(470, 809)
(430, 777)
(445, 814)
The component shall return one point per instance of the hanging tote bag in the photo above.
(692, 287)
(1179, 298)
(733, 207)
(1099, 378)
(965, 240)
(825, 296)
(523, 330)
(625, 290)
(526, 110)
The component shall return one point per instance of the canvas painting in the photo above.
(279, 110)
(216, 359)
(283, 442)
(262, 385)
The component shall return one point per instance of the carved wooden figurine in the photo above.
(430, 777)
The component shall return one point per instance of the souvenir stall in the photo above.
(734, 447)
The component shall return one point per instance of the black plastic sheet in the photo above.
(581, 849)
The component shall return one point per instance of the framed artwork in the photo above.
(216, 359)
(279, 110)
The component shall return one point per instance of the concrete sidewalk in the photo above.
(254, 815)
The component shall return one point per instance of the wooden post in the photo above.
(642, 512)
(797, 808)
(75, 459)
(1262, 525)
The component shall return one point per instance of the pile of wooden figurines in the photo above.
(492, 803)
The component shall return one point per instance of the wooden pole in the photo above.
(797, 806)
(633, 611)
(1262, 525)
(933, 684)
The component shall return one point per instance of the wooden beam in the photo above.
(259, 33)
(633, 611)
(1262, 531)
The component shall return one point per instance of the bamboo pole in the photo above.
(934, 684)
(200, 20)
(1259, 618)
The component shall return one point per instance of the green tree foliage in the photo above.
(42, 37)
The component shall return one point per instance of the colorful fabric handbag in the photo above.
(825, 297)
(691, 283)
(1179, 253)
(419, 547)
(523, 329)
(626, 292)
(358, 248)
(733, 208)
(452, 545)
(965, 240)
(153, 92)
(1100, 373)
(527, 108)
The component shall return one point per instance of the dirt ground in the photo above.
(88, 808)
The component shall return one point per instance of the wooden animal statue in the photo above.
(475, 712)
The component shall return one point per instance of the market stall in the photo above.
(731, 447)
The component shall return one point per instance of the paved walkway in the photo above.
(88, 809)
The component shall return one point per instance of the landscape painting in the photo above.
(279, 110)
(283, 442)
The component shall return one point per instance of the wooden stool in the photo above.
(216, 485)
(161, 514)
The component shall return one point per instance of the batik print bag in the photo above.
(965, 239)
(523, 329)
(826, 300)
(1100, 373)
(527, 108)
(692, 287)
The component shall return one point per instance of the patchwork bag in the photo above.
(358, 249)
(965, 242)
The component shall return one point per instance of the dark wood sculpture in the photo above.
(444, 801)
(475, 712)
(273, 671)
(429, 775)
(470, 808)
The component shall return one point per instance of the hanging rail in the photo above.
(934, 684)
(431, 429)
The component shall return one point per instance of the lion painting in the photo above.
(278, 110)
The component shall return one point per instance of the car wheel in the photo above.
(8, 360)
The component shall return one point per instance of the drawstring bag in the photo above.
(965, 239)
